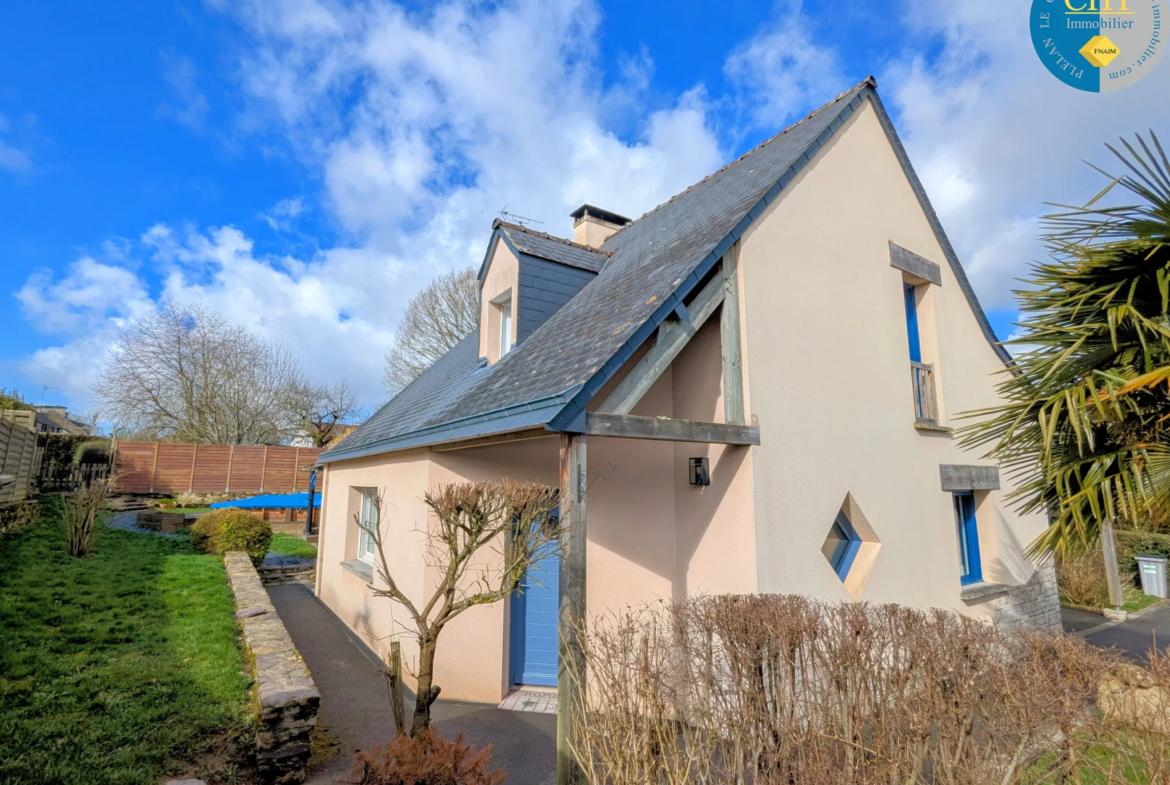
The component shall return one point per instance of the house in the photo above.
(751, 388)
(56, 419)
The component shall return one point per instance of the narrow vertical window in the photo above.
(912, 323)
(967, 534)
(369, 524)
(505, 327)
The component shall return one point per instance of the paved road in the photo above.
(355, 713)
(1133, 637)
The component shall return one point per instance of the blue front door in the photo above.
(535, 608)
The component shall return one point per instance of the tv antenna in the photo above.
(517, 219)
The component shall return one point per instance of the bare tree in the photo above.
(484, 536)
(321, 408)
(188, 373)
(440, 316)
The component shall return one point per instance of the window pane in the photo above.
(505, 327)
(835, 545)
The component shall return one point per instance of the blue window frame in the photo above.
(967, 532)
(841, 546)
(912, 323)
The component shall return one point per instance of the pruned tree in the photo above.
(440, 316)
(321, 408)
(190, 374)
(482, 539)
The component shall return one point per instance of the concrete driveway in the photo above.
(1133, 637)
(355, 710)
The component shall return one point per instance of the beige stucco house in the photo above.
(751, 388)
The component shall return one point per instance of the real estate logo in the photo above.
(1098, 45)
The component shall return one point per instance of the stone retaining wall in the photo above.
(286, 699)
(1034, 605)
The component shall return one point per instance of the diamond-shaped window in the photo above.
(851, 547)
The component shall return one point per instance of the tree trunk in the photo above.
(427, 692)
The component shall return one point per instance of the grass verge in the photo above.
(291, 545)
(113, 664)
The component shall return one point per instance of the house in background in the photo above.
(56, 419)
(751, 388)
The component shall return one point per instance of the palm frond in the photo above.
(1085, 424)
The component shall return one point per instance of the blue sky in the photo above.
(306, 166)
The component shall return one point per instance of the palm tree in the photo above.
(1086, 421)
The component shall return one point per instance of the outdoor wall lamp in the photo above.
(700, 474)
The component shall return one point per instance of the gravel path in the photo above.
(128, 521)
(280, 560)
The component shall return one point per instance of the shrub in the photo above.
(92, 451)
(784, 689)
(1133, 542)
(243, 531)
(1082, 579)
(228, 530)
(426, 759)
(204, 531)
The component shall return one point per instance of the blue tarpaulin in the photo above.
(272, 501)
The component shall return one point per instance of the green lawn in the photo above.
(290, 545)
(112, 664)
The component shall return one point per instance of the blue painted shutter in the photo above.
(912, 323)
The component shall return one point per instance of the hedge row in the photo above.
(1132, 543)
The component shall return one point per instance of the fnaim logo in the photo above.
(1098, 45)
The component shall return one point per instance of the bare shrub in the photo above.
(426, 759)
(79, 513)
(783, 689)
(1082, 580)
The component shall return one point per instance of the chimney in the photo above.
(592, 226)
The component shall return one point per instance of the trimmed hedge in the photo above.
(227, 530)
(1132, 543)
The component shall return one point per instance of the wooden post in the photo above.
(570, 659)
(296, 467)
(733, 409)
(263, 468)
(394, 679)
(1112, 573)
(154, 467)
(227, 487)
(191, 479)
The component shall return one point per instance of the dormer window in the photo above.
(505, 322)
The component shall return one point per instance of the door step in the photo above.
(538, 700)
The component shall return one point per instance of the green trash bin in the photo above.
(1153, 572)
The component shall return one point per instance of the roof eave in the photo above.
(531, 414)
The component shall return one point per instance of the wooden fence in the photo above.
(18, 453)
(165, 467)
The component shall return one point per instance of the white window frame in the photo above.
(506, 317)
(369, 519)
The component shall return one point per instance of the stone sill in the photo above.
(977, 591)
(363, 570)
(930, 425)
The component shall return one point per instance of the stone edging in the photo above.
(286, 699)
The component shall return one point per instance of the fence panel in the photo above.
(18, 453)
(164, 467)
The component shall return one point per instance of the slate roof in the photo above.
(556, 249)
(653, 264)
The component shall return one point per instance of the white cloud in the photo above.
(12, 158)
(782, 69)
(281, 215)
(189, 106)
(994, 136)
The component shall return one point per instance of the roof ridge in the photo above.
(869, 81)
(547, 236)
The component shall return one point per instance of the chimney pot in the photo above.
(592, 226)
